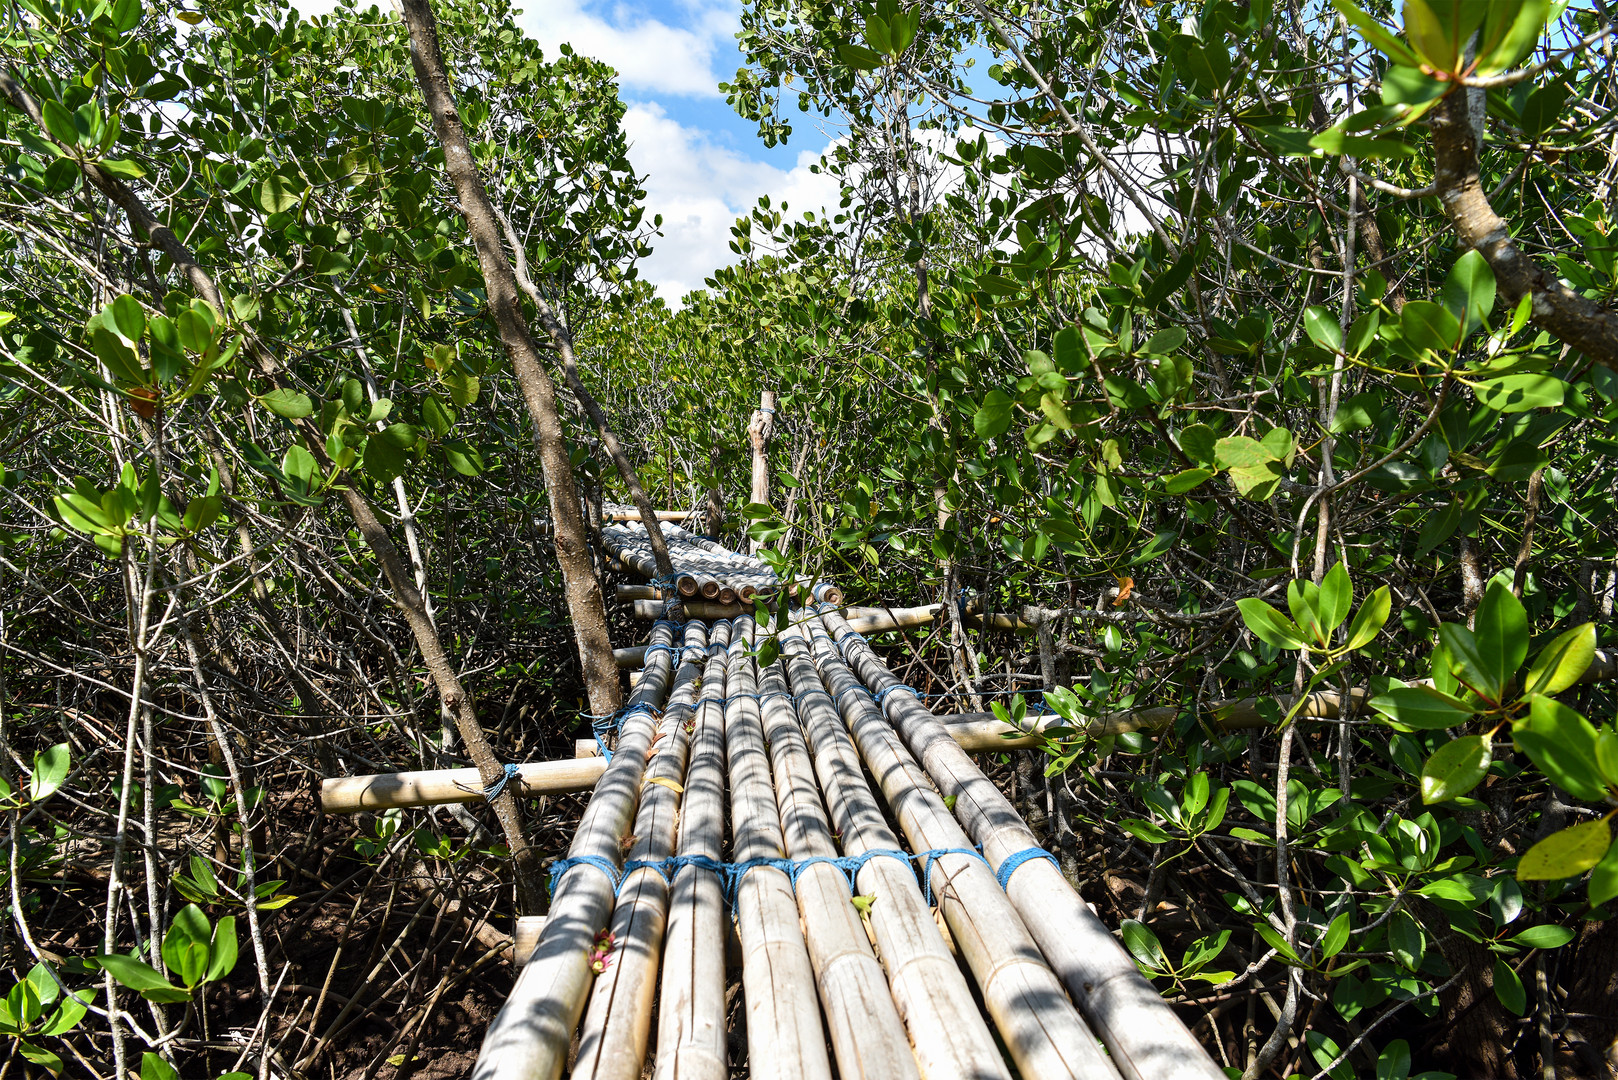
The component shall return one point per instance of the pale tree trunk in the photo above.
(758, 433)
(583, 590)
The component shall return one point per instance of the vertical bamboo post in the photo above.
(947, 1030)
(612, 1041)
(528, 1039)
(691, 1037)
(867, 1035)
(785, 1038)
(758, 433)
(1145, 1038)
(1042, 1030)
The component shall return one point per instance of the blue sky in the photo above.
(703, 164)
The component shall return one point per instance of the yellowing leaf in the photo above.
(666, 782)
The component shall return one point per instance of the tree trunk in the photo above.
(584, 601)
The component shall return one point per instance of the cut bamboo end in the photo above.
(526, 937)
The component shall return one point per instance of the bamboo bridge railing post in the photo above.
(1144, 1037)
(785, 1037)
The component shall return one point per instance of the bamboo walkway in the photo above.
(887, 911)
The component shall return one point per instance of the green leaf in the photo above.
(1422, 707)
(1406, 940)
(1607, 755)
(1376, 34)
(1143, 945)
(1521, 392)
(1469, 290)
(1199, 442)
(39, 1056)
(277, 195)
(1336, 597)
(1509, 988)
(1563, 744)
(1273, 938)
(859, 57)
(222, 955)
(876, 34)
(1323, 328)
(50, 772)
(1269, 625)
(125, 317)
(463, 457)
(1370, 619)
(1468, 662)
(1501, 629)
(993, 416)
(1509, 33)
(1239, 451)
(1560, 664)
(463, 388)
(288, 404)
(141, 977)
(122, 168)
(1336, 937)
(1455, 768)
(59, 122)
(1426, 325)
(1544, 936)
(436, 416)
(1604, 878)
(1144, 830)
(1565, 854)
(384, 460)
(153, 1067)
(1186, 480)
(120, 360)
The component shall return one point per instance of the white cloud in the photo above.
(649, 54)
(701, 187)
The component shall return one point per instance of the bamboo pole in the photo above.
(1041, 1029)
(946, 1029)
(613, 1038)
(438, 787)
(1145, 1038)
(785, 1038)
(867, 1036)
(691, 1035)
(640, 592)
(528, 1039)
(662, 515)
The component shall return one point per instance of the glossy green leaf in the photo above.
(1455, 768)
(1422, 707)
(1469, 290)
(288, 404)
(1567, 853)
(1369, 620)
(993, 416)
(1269, 625)
(1563, 662)
(1563, 744)
(1508, 988)
(1521, 392)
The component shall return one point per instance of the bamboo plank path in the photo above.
(894, 915)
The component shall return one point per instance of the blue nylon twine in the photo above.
(508, 772)
(881, 695)
(1015, 860)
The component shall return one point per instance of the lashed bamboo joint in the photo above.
(848, 930)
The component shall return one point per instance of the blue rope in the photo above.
(932, 856)
(508, 772)
(603, 726)
(775, 694)
(849, 689)
(674, 627)
(650, 649)
(605, 865)
(853, 635)
(1017, 858)
(881, 695)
